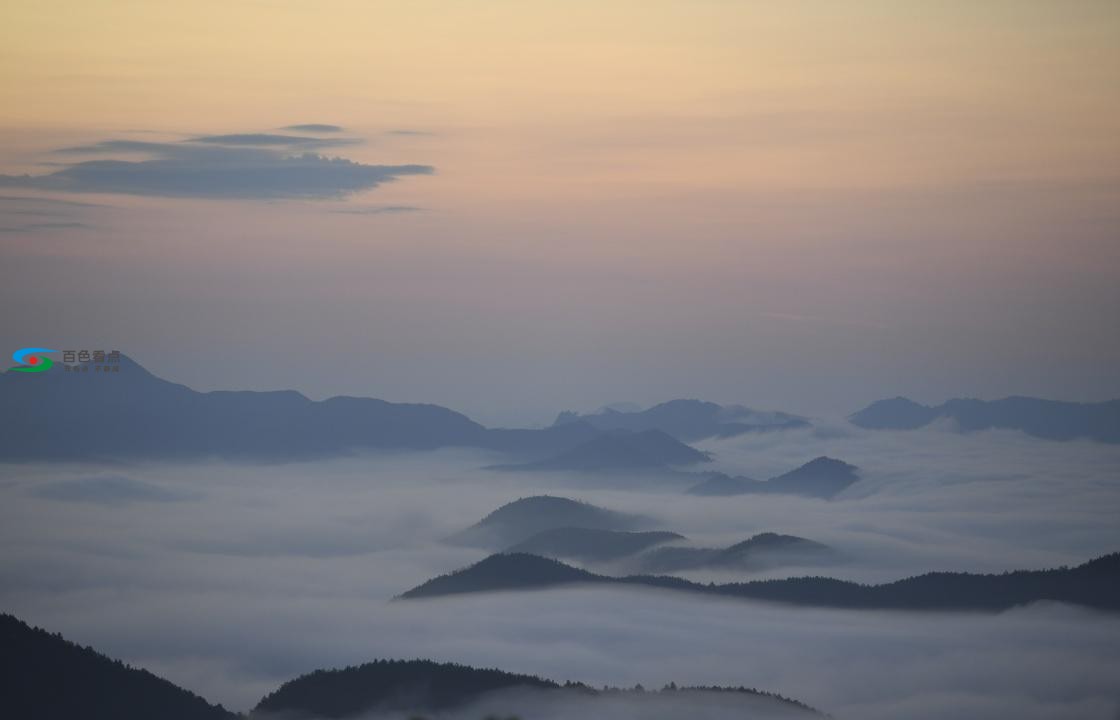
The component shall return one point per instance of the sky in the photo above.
(514, 208)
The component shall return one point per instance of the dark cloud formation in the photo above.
(247, 166)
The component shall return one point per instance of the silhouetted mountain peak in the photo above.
(762, 551)
(503, 571)
(825, 464)
(822, 477)
(517, 521)
(768, 540)
(897, 413)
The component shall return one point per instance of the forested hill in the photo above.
(1094, 584)
(423, 686)
(44, 677)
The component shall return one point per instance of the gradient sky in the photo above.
(797, 205)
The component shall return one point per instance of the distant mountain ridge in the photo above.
(688, 420)
(1048, 419)
(1094, 584)
(132, 414)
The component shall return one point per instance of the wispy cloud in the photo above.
(106, 490)
(24, 199)
(272, 140)
(246, 166)
(378, 210)
(314, 127)
(38, 227)
(26, 214)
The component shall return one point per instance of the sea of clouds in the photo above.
(229, 579)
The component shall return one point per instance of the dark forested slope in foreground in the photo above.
(1094, 584)
(44, 677)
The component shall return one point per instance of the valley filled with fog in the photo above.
(231, 578)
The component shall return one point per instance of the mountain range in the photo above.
(1048, 419)
(129, 413)
(1094, 584)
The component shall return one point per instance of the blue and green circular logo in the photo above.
(30, 360)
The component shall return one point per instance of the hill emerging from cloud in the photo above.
(822, 477)
(389, 688)
(592, 545)
(1094, 584)
(524, 518)
(760, 552)
(1048, 419)
(688, 420)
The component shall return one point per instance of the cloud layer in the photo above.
(274, 571)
